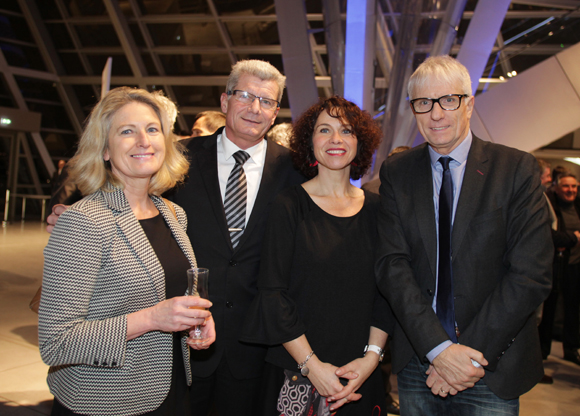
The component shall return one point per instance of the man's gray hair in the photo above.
(446, 69)
(261, 69)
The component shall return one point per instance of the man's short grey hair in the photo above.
(445, 69)
(261, 69)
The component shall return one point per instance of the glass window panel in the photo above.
(97, 35)
(53, 116)
(120, 64)
(248, 6)
(5, 95)
(190, 34)
(11, 5)
(86, 96)
(86, 7)
(14, 27)
(36, 88)
(253, 33)
(72, 64)
(149, 65)
(23, 56)
(59, 34)
(208, 64)
(313, 6)
(137, 35)
(59, 144)
(48, 9)
(174, 7)
(198, 96)
(319, 36)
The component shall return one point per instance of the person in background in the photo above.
(55, 182)
(113, 312)
(317, 285)
(280, 134)
(207, 122)
(563, 198)
(546, 175)
(464, 258)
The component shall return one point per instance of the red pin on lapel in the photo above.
(480, 172)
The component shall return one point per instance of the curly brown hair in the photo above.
(365, 129)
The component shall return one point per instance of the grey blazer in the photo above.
(99, 267)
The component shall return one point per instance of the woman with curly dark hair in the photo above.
(318, 308)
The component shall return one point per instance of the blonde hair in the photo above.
(261, 69)
(446, 69)
(88, 167)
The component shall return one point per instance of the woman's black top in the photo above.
(317, 278)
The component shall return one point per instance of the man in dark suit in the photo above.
(464, 257)
(228, 375)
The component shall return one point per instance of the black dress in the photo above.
(317, 278)
(174, 264)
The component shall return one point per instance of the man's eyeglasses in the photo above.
(449, 102)
(248, 98)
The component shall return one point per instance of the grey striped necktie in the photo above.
(236, 195)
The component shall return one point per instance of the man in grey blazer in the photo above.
(228, 375)
(464, 257)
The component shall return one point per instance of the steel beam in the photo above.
(396, 114)
(334, 43)
(53, 62)
(480, 37)
(360, 53)
(296, 55)
(126, 38)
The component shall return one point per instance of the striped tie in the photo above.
(235, 201)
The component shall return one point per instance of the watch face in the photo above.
(304, 371)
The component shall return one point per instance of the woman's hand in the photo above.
(357, 372)
(323, 377)
(172, 315)
(208, 333)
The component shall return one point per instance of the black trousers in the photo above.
(224, 394)
(571, 297)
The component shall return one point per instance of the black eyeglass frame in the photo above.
(436, 100)
(233, 93)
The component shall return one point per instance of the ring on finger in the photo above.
(442, 391)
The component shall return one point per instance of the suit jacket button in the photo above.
(233, 263)
(230, 304)
(96, 362)
(429, 292)
(114, 363)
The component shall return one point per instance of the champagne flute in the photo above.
(197, 285)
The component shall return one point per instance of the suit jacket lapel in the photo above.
(476, 171)
(268, 184)
(208, 169)
(129, 226)
(423, 202)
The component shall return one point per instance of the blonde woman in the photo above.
(112, 312)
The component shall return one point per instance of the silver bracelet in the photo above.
(302, 366)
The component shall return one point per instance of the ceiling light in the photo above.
(575, 160)
(5, 121)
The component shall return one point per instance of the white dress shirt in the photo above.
(253, 167)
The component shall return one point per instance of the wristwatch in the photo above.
(376, 349)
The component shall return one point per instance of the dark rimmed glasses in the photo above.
(449, 102)
(248, 98)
